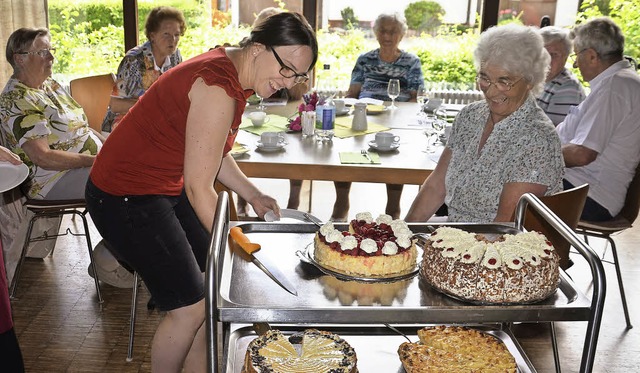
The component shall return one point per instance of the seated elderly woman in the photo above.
(143, 64)
(42, 123)
(502, 147)
(48, 129)
(370, 78)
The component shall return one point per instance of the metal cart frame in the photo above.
(221, 312)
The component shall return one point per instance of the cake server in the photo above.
(261, 260)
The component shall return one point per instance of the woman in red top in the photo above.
(150, 192)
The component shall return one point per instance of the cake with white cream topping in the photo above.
(379, 248)
(519, 268)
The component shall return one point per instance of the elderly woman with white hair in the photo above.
(502, 147)
(370, 78)
(562, 90)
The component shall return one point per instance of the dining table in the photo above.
(308, 159)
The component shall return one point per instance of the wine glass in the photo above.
(421, 98)
(429, 131)
(393, 90)
(260, 105)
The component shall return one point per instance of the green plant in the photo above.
(506, 16)
(424, 15)
(349, 19)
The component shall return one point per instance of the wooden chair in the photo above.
(622, 221)
(567, 205)
(93, 94)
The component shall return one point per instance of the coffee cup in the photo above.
(386, 139)
(339, 105)
(258, 118)
(272, 138)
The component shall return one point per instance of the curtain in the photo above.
(16, 14)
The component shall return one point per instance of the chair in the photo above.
(567, 205)
(93, 94)
(54, 208)
(619, 223)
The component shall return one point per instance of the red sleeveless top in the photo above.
(145, 153)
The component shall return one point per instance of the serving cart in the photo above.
(239, 294)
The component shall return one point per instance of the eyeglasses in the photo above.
(288, 72)
(574, 56)
(44, 53)
(501, 85)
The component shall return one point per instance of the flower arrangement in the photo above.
(309, 104)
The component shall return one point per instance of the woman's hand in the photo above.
(263, 203)
(7, 155)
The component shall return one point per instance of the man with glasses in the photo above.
(562, 90)
(600, 137)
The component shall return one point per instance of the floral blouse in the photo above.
(522, 148)
(28, 113)
(136, 73)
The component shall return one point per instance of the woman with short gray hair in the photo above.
(502, 147)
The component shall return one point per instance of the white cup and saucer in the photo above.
(271, 141)
(258, 118)
(385, 142)
(341, 107)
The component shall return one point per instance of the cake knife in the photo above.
(261, 260)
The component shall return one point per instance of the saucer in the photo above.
(375, 146)
(342, 112)
(12, 175)
(271, 148)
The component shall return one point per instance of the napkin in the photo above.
(358, 158)
(238, 149)
(343, 128)
(276, 123)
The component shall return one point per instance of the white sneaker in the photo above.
(119, 277)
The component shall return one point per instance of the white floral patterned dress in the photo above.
(30, 113)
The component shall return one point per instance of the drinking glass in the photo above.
(429, 131)
(393, 90)
(421, 98)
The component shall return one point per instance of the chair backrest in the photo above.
(631, 205)
(93, 94)
(567, 205)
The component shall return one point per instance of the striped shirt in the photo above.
(560, 95)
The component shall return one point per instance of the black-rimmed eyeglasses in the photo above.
(288, 72)
(501, 85)
(44, 53)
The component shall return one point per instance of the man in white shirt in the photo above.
(600, 138)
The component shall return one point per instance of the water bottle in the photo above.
(325, 109)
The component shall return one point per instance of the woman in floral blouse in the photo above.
(502, 147)
(142, 65)
(42, 123)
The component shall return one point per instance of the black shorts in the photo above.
(158, 236)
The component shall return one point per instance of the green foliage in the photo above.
(424, 15)
(349, 19)
(506, 16)
(96, 46)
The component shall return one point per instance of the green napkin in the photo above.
(343, 128)
(358, 158)
(276, 123)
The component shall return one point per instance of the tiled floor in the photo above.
(62, 328)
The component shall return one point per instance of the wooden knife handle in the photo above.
(243, 241)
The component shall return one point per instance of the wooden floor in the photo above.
(61, 327)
